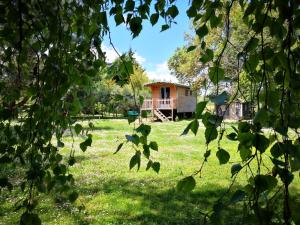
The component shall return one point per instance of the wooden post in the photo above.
(172, 106)
(152, 108)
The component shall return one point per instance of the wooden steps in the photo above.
(160, 115)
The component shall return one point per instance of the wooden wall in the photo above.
(185, 103)
(155, 89)
(234, 114)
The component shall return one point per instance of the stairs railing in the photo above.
(160, 115)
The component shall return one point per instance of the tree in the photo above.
(186, 66)
(190, 63)
(127, 72)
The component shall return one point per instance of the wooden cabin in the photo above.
(237, 110)
(169, 100)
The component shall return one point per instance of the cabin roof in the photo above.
(166, 83)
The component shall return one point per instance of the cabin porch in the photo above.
(164, 109)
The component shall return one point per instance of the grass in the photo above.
(112, 194)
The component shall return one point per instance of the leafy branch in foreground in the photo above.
(271, 137)
(49, 51)
(141, 145)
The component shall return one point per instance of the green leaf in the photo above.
(60, 144)
(103, 18)
(187, 129)
(119, 148)
(172, 11)
(144, 129)
(246, 139)
(187, 184)
(202, 31)
(243, 127)
(211, 134)
(131, 119)
(200, 108)
(135, 160)
(146, 151)
(216, 74)
(133, 138)
(73, 196)
(232, 136)
(194, 126)
(149, 165)
(265, 182)
(143, 139)
(261, 142)
(208, 56)
(71, 161)
(261, 117)
(129, 6)
(86, 143)
(235, 168)
(156, 166)
(245, 152)
(220, 99)
(191, 48)
(237, 196)
(78, 128)
(207, 154)
(251, 45)
(119, 19)
(252, 63)
(215, 21)
(295, 164)
(135, 25)
(277, 150)
(223, 156)
(191, 12)
(153, 145)
(154, 18)
(164, 27)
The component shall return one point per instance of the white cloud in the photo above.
(161, 73)
(140, 59)
(112, 55)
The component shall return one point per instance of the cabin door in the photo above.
(165, 97)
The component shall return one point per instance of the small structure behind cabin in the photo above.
(169, 100)
(237, 110)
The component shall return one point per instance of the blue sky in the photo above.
(152, 48)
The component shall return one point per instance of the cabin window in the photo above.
(165, 92)
(186, 92)
(191, 93)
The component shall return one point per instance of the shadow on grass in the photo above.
(143, 202)
(90, 157)
(146, 202)
(99, 128)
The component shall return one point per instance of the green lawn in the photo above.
(112, 194)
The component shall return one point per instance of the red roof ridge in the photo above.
(163, 82)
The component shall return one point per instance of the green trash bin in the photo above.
(132, 113)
